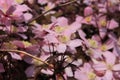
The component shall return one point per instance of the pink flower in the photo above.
(109, 66)
(88, 11)
(85, 73)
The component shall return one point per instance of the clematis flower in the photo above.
(108, 67)
(91, 42)
(94, 53)
(11, 11)
(61, 33)
(85, 73)
(88, 17)
(109, 44)
(104, 25)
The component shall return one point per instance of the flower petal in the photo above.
(113, 24)
(116, 67)
(100, 66)
(74, 43)
(61, 48)
(108, 75)
(69, 72)
(110, 57)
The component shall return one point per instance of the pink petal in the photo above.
(78, 62)
(79, 19)
(72, 28)
(74, 43)
(110, 57)
(100, 66)
(87, 67)
(21, 8)
(82, 34)
(116, 50)
(116, 67)
(47, 71)
(61, 48)
(48, 48)
(44, 56)
(42, 1)
(113, 24)
(62, 21)
(109, 44)
(22, 36)
(69, 72)
(18, 43)
(15, 56)
(27, 16)
(30, 71)
(80, 76)
(88, 11)
(108, 75)
(103, 32)
(51, 38)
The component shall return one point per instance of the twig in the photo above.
(23, 52)
(61, 5)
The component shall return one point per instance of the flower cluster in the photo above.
(60, 39)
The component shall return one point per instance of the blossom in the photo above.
(109, 66)
(85, 73)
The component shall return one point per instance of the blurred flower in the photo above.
(109, 66)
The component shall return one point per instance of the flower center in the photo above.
(103, 23)
(45, 26)
(103, 47)
(19, 1)
(109, 66)
(91, 76)
(63, 38)
(93, 43)
(59, 29)
(88, 19)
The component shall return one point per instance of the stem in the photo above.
(61, 5)
(23, 52)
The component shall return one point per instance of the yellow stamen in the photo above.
(19, 1)
(103, 23)
(59, 29)
(103, 47)
(45, 26)
(93, 43)
(63, 38)
(88, 19)
(91, 76)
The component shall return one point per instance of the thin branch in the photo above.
(61, 5)
(23, 52)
